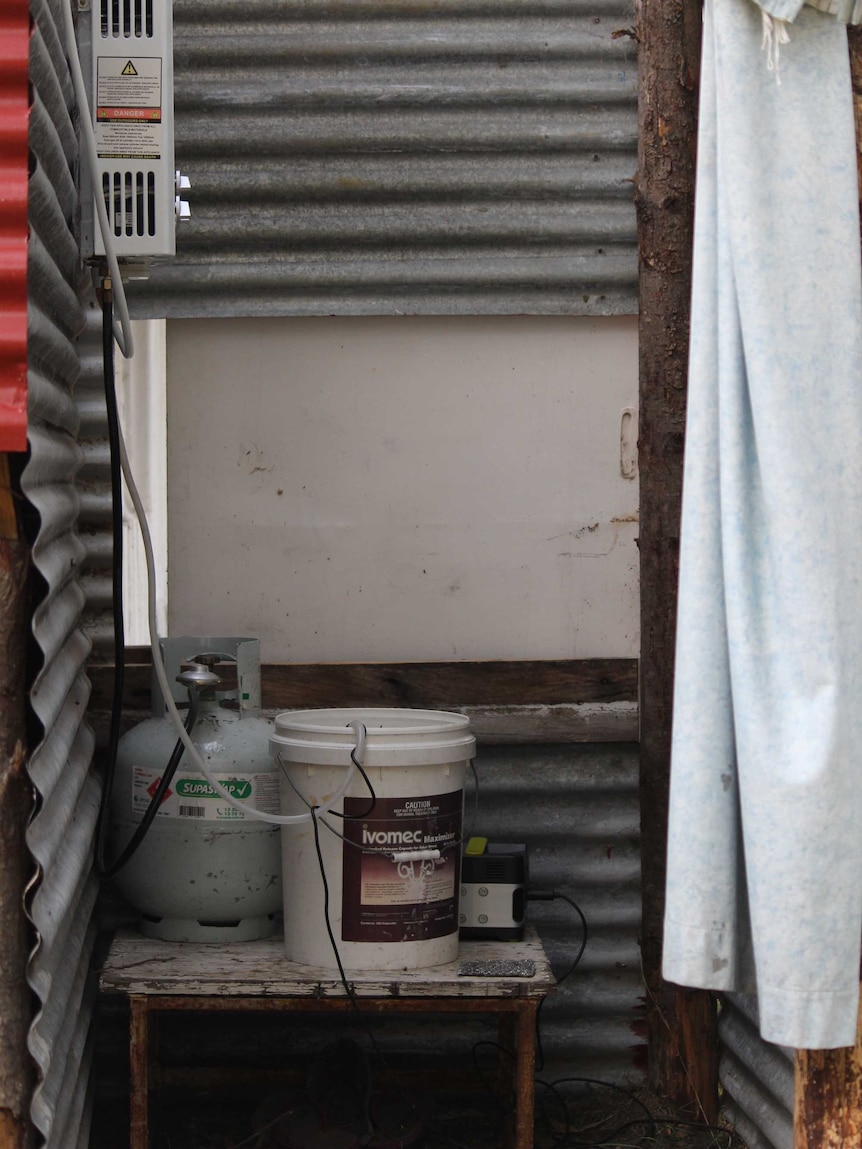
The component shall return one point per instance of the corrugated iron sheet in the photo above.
(757, 1078)
(577, 807)
(14, 113)
(63, 335)
(437, 157)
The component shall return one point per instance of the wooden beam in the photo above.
(8, 514)
(681, 1024)
(587, 700)
(16, 802)
(441, 684)
(854, 38)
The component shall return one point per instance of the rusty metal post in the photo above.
(16, 802)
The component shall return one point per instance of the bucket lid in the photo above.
(394, 736)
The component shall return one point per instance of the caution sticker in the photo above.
(129, 107)
(408, 900)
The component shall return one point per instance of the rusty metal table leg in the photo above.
(140, 1055)
(525, 1068)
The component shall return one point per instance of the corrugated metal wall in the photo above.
(578, 809)
(63, 339)
(757, 1078)
(359, 157)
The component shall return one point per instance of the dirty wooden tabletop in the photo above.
(136, 965)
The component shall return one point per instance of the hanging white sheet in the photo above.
(764, 885)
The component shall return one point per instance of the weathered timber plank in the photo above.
(577, 722)
(16, 803)
(442, 684)
(496, 725)
(139, 966)
(668, 36)
(291, 686)
(529, 702)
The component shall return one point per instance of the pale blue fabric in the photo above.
(764, 884)
(844, 11)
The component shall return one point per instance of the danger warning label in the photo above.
(129, 107)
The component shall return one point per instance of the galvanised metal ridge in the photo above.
(430, 157)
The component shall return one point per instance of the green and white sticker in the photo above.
(191, 796)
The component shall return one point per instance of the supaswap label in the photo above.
(191, 796)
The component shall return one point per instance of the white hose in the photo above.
(123, 334)
(161, 675)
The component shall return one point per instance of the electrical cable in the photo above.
(124, 338)
(123, 333)
(548, 896)
(103, 868)
(564, 1108)
(157, 798)
(619, 1089)
(353, 817)
(348, 986)
(388, 853)
(506, 1111)
(335, 813)
(669, 1122)
(167, 693)
(113, 421)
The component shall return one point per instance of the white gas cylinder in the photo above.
(205, 871)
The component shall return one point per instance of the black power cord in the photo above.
(358, 817)
(116, 569)
(650, 1120)
(550, 896)
(155, 802)
(103, 868)
(348, 986)
(366, 779)
(656, 1122)
(388, 853)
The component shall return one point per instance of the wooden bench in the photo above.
(158, 976)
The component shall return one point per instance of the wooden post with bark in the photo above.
(681, 1024)
(828, 1108)
(828, 1105)
(16, 802)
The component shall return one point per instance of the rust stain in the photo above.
(351, 183)
(13, 1132)
(640, 1028)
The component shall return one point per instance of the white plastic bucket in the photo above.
(384, 914)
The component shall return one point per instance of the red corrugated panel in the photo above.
(14, 116)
